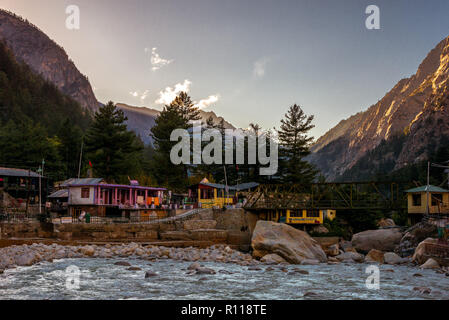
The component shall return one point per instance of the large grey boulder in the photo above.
(392, 258)
(383, 239)
(291, 244)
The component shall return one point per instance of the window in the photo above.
(296, 214)
(416, 200)
(313, 214)
(436, 199)
(85, 193)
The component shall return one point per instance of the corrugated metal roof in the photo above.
(12, 172)
(81, 182)
(429, 188)
(64, 193)
(217, 186)
(246, 186)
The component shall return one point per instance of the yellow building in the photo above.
(431, 198)
(299, 217)
(210, 195)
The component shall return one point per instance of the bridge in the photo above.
(332, 196)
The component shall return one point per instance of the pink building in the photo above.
(102, 199)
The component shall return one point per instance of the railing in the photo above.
(21, 218)
(131, 220)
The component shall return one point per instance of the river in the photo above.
(102, 279)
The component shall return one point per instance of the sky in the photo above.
(246, 60)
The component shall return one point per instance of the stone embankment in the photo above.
(233, 227)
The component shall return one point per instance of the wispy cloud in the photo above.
(156, 61)
(169, 94)
(260, 67)
(142, 96)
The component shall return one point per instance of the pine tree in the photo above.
(183, 103)
(172, 117)
(294, 147)
(109, 145)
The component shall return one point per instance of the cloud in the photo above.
(260, 67)
(156, 61)
(141, 96)
(205, 103)
(169, 94)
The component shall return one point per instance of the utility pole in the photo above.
(428, 187)
(41, 174)
(81, 157)
(226, 182)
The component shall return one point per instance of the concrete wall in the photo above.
(75, 196)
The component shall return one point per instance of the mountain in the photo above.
(142, 119)
(46, 58)
(33, 47)
(416, 109)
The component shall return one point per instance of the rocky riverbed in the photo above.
(28, 255)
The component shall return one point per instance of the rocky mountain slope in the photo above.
(44, 56)
(416, 106)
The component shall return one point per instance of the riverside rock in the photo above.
(350, 256)
(392, 258)
(291, 244)
(383, 239)
(272, 258)
(375, 256)
(430, 264)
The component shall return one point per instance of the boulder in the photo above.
(382, 239)
(123, 264)
(333, 250)
(351, 256)
(430, 264)
(414, 236)
(194, 266)
(320, 229)
(386, 223)
(310, 262)
(392, 258)
(272, 258)
(422, 253)
(88, 251)
(26, 259)
(346, 246)
(287, 242)
(202, 270)
(374, 256)
(150, 274)
(134, 269)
